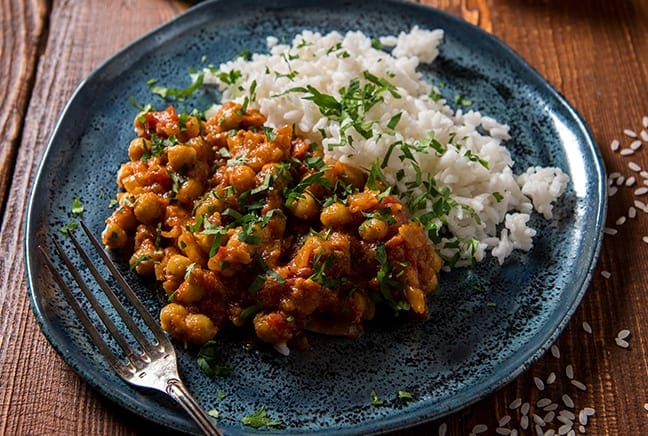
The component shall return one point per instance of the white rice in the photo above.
(493, 204)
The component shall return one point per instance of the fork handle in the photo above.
(177, 390)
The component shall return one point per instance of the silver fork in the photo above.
(154, 365)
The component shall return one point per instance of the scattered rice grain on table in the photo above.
(568, 401)
(551, 407)
(549, 416)
(542, 402)
(623, 334)
(569, 371)
(524, 410)
(644, 135)
(634, 166)
(479, 428)
(515, 403)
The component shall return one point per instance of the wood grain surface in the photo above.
(595, 52)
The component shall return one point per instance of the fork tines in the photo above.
(135, 359)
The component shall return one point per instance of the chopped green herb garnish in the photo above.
(461, 100)
(250, 310)
(375, 399)
(434, 95)
(375, 43)
(208, 360)
(393, 122)
(141, 108)
(229, 77)
(405, 396)
(189, 270)
(77, 207)
(179, 93)
(260, 419)
(245, 55)
(498, 197)
(473, 157)
(67, 228)
(139, 260)
(213, 413)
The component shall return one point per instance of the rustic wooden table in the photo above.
(595, 52)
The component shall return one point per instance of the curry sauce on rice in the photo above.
(333, 182)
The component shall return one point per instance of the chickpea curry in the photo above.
(246, 225)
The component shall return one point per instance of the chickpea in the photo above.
(209, 206)
(242, 178)
(416, 298)
(189, 292)
(177, 265)
(191, 127)
(187, 244)
(361, 201)
(181, 157)
(351, 175)
(336, 215)
(189, 191)
(172, 318)
(138, 147)
(373, 229)
(114, 236)
(305, 207)
(200, 328)
(149, 207)
(124, 217)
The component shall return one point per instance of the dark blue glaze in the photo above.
(465, 351)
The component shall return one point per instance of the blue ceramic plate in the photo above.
(465, 351)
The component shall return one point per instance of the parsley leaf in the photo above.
(67, 228)
(208, 360)
(179, 93)
(375, 399)
(77, 207)
(260, 419)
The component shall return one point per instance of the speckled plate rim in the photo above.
(416, 416)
